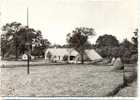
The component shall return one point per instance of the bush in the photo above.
(65, 58)
(126, 55)
(134, 58)
(105, 52)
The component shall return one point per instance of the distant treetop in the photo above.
(107, 40)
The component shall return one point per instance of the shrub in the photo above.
(65, 58)
(134, 58)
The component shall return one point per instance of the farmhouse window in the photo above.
(72, 57)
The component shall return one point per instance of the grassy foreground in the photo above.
(59, 80)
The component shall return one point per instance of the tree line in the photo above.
(18, 39)
(107, 45)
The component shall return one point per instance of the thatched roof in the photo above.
(91, 53)
(61, 51)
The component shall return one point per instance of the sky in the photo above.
(56, 18)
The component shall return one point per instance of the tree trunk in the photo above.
(3, 54)
(16, 51)
(82, 58)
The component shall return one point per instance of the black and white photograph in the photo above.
(69, 48)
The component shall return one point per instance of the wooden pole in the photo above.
(27, 17)
(28, 61)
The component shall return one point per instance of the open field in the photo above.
(21, 63)
(60, 80)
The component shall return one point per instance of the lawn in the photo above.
(129, 91)
(59, 80)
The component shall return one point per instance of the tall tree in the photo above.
(78, 39)
(11, 34)
(105, 45)
(25, 35)
(15, 38)
(40, 44)
(126, 44)
(49, 55)
(4, 46)
(106, 40)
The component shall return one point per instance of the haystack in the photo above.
(118, 64)
(112, 61)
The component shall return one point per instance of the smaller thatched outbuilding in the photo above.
(118, 64)
(113, 61)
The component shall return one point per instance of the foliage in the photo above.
(126, 52)
(107, 40)
(65, 58)
(40, 47)
(15, 38)
(126, 44)
(78, 39)
(49, 55)
(134, 58)
(65, 46)
(107, 48)
(130, 50)
(10, 37)
(56, 46)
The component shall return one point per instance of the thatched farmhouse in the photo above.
(70, 55)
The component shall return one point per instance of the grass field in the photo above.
(59, 80)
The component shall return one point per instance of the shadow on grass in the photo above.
(129, 80)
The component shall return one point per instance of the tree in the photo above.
(115, 52)
(127, 44)
(78, 39)
(11, 35)
(106, 44)
(106, 40)
(40, 44)
(4, 47)
(15, 37)
(65, 46)
(49, 55)
(125, 51)
(25, 35)
(105, 52)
